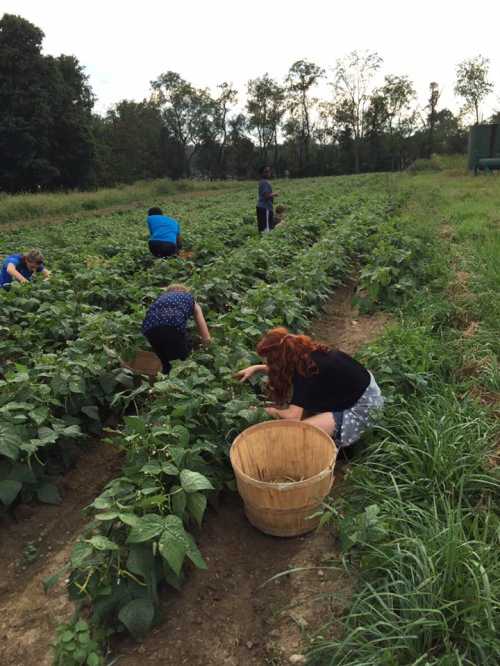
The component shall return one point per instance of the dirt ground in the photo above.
(35, 544)
(227, 616)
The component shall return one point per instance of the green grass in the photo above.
(420, 518)
(23, 207)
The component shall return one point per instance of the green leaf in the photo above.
(79, 554)
(171, 578)
(47, 435)
(9, 490)
(174, 543)
(49, 494)
(194, 481)
(39, 415)
(93, 660)
(129, 519)
(194, 554)
(152, 468)
(10, 442)
(182, 435)
(168, 468)
(179, 500)
(137, 616)
(107, 515)
(196, 506)
(149, 526)
(177, 455)
(92, 412)
(100, 542)
(141, 560)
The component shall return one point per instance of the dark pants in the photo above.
(265, 220)
(169, 344)
(162, 249)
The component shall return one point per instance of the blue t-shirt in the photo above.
(163, 228)
(265, 188)
(18, 261)
(171, 309)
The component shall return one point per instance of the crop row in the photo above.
(177, 447)
(55, 397)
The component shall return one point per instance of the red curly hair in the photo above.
(286, 354)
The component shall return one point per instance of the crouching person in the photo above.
(341, 393)
(164, 234)
(22, 267)
(165, 325)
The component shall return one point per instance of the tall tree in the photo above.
(45, 113)
(472, 82)
(187, 113)
(265, 107)
(434, 95)
(398, 93)
(72, 149)
(25, 113)
(133, 134)
(302, 77)
(227, 97)
(353, 89)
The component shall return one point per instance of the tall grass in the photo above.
(421, 516)
(21, 207)
(456, 164)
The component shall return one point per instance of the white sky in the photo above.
(124, 45)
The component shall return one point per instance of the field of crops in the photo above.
(417, 516)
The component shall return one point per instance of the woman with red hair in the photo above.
(310, 377)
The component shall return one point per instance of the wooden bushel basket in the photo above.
(264, 455)
(144, 363)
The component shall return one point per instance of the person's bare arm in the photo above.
(45, 274)
(246, 373)
(13, 272)
(201, 324)
(292, 413)
(270, 195)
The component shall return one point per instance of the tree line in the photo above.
(50, 138)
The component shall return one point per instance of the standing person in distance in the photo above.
(165, 322)
(265, 213)
(164, 234)
(21, 267)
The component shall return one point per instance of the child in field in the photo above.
(165, 325)
(279, 215)
(21, 267)
(164, 234)
(265, 213)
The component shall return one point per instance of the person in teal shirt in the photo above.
(164, 234)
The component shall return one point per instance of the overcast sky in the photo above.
(125, 45)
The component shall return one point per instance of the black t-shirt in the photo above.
(339, 383)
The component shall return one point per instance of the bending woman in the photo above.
(165, 322)
(339, 391)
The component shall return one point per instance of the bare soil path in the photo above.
(225, 616)
(29, 617)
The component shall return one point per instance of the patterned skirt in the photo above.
(353, 422)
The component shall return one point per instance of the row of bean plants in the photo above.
(176, 445)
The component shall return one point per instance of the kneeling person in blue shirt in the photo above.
(165, 325)
(164, 234)
(20, 267)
